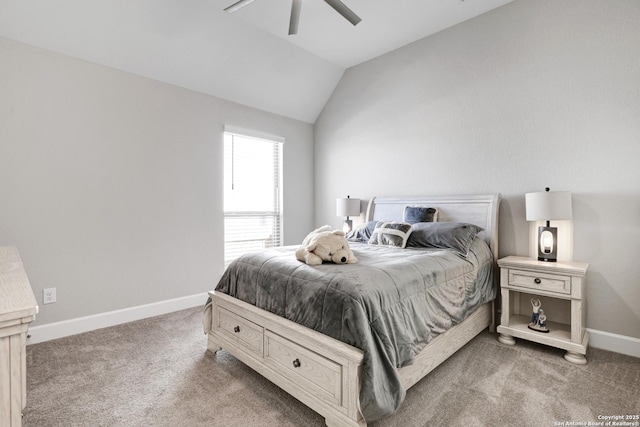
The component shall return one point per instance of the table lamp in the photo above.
(347, 207)
(548, 206)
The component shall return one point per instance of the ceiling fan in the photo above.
(339, 7)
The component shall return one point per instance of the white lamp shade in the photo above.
(347, 207)
(548, 206)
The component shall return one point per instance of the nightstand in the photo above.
(558, 284)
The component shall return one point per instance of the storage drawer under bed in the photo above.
(241, 331)
(321, 376)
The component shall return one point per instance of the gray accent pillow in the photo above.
(444, 235)
(413, 214)
(391, 234)
(362, 233)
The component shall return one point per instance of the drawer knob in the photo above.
(296, 363)
(537, 280)
(236, 329)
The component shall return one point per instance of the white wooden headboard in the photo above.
(481, 210)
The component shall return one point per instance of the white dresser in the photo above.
(18, 308)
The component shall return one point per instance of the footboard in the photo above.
(321, 372)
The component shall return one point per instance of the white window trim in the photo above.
(253, 133)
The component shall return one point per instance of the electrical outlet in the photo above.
(49, 296)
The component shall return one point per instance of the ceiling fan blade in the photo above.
(343, 10)
(238, 5)
(295, 16)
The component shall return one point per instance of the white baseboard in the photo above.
(52, 331)
(614, 342)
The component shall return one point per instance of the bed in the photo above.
(347, 340)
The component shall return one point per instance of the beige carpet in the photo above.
(156, 372)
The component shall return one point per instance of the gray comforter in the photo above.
(390, 304)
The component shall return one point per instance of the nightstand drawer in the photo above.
(540, 281)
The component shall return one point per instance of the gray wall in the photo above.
(533, 94)
(111, 184)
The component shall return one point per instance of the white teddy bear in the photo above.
(325, 244)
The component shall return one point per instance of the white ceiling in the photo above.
(247, 56)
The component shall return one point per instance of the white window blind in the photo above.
(252, 194)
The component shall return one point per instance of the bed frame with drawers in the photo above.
(322, 372)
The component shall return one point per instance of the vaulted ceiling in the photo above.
(246, 56)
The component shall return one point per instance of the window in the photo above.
(252, 194)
